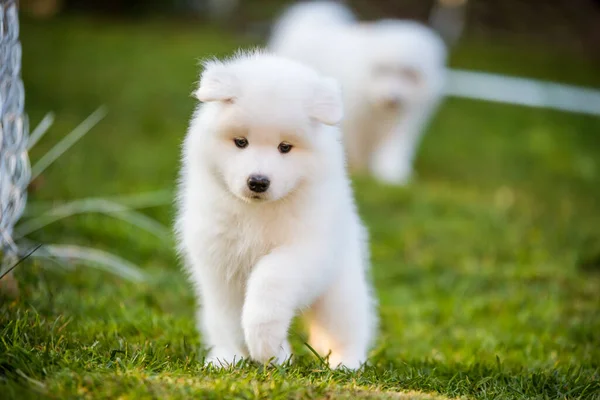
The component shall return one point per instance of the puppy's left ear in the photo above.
(326, 106)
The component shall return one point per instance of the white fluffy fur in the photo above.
(257, 260)
(392, 75)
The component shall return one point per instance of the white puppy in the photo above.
(267, 221)
(392, 75)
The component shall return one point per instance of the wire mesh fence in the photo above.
(15, 169)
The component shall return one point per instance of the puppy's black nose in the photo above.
(392, 102)
(258, 183)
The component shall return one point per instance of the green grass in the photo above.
(487, 268)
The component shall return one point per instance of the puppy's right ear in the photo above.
(216, 84)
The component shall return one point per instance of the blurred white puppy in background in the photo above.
(267, 221)
(392, 75)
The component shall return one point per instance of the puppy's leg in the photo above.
(356, 146)
(342, 322)
(391, 161)
(219, 320)
(281, 283)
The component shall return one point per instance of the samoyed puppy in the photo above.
(267, 222)
(392, 76)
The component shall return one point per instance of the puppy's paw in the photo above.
(391, 176)
(222, 358)
(391, 171)
(267, 341)
(337, 360)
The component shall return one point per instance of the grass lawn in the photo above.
(487, 267)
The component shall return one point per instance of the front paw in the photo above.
(391, 172)
(391, 176)
(337, 360)
(267, 341)
(222, 358)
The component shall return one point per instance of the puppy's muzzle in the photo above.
(258, 183)
(392, 102)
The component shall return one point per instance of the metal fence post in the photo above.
(14, 135)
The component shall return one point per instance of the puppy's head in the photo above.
(266, 133)
(404, 61)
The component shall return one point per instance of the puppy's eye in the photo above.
(410, 75)
(241, 142)
(284, 147)
(383, 70)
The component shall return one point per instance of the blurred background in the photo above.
(566, 23)
(79, 54)
(494, 250)
(140, 59)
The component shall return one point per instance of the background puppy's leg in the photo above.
(282, 282)
(392, 158)
(356, 145)
(343, 321)
(219, 320)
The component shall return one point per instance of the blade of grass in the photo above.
(97, 206)
(40, 130)
(20, 261)
(97, 259)
(136, 201)
(68, 141)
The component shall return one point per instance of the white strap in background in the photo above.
(527, 92)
